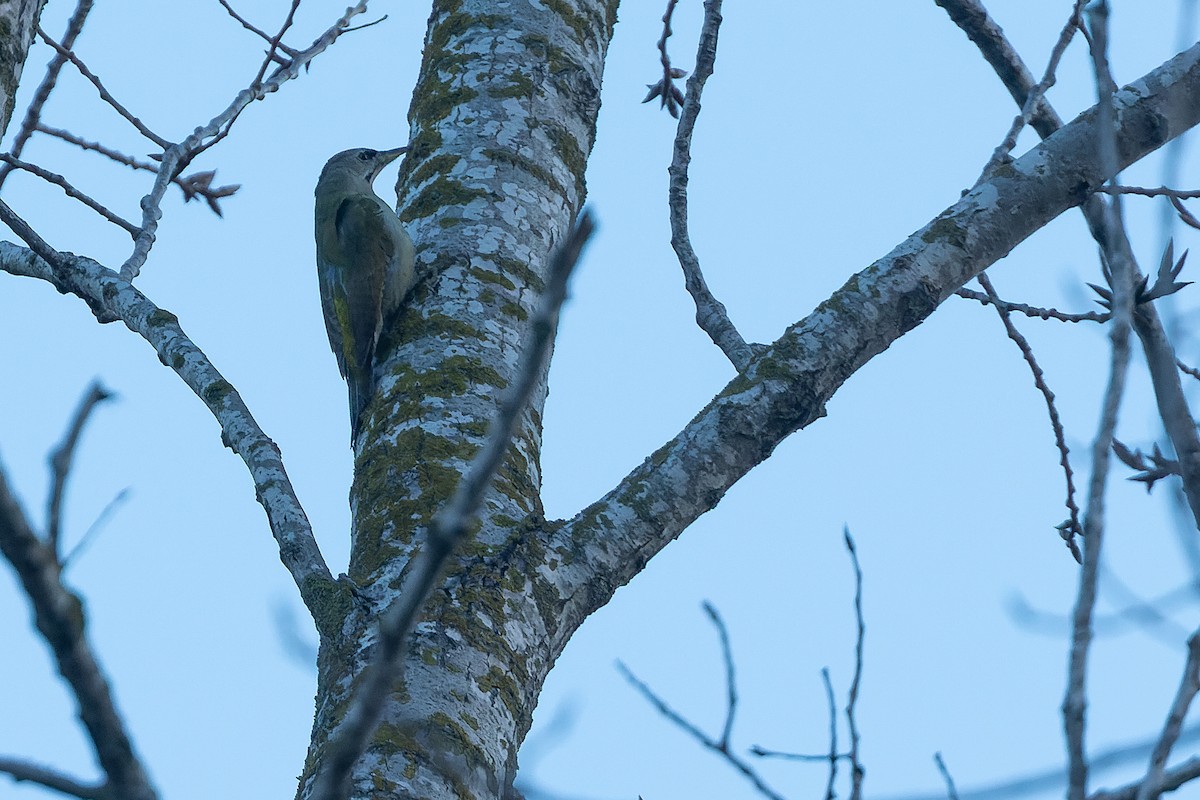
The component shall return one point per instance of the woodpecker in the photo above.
(364, 266)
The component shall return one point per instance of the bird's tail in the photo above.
(361, 388)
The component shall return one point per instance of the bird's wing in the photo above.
(330, 292)
(367, 248)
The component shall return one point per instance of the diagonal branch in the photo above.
(786, 387)
(71, 191)
(112, 298)
(710, 312)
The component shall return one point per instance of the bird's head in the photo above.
(361, 162)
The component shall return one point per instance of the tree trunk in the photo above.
(503, 120)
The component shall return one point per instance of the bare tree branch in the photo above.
(261, 33)
(731, 698)
(1031, 311)
(1072, 527)
(980, 28)
(71, 191)
(1122, 271)
(720, 746)
(62, 458)
(856, 768)
(710, 312)
(1161, 191)
(25, 771)
(1053, 780)
(1147, 616)
(451, 526)
(59, 616)
(1184, 215)
(951, 791)
(830, 785)
(1172, 780)
(1032, 103)
(97, 524)
(1189, 685)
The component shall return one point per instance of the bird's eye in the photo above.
(366, 155)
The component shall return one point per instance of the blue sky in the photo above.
(830, 131)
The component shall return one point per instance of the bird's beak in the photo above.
(386, 157)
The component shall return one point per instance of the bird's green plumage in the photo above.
(364, 266)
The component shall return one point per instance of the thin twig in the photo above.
(1190, 371)
(1072, 527)
(1053, 780)
(700, 736)
(783, 755)
(62, 458)
(1034, 99)
(71, 191)
(980, 28)
(276, 41)
(730, 676)
(1189, 685)
(270, 58)
(1146, 616)
(711, 315)
(830, 792)
(34, 112)
(856, 768)
(1122, 271)
(1161, 191)
(1172, 779)
(105, 95)
(25, 771)
(664, 87)
(951, 792)
(97, 525)
(1031, 311)
(176, 157)
(450, 527)
(258, 31)
(198, 184)
(1184, 215)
